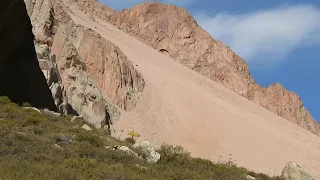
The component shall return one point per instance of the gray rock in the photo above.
(51, 113)
(250, 177)
(85, 97)
(76, 118)
(42, 51)
(86, 127)
(125, 149)
(141, 167)
(57, 146)
(33, 108)
(293, 171)
(64, 139)
(149, 154)
(56, 92)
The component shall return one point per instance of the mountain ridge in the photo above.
(180, 106)
(174, 32)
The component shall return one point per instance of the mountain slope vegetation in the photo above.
(38, 145)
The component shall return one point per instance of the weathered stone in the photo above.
(33, 108)
(42, 51)
(57, 146)
(76, 118)
(64, 139)
(51, 113)
(148, 152)
(141, 167)
(86, 127)
(125, 149)
(56, 93)
(293, 171)
(250, 177)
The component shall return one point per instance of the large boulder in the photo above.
(293, 171)
(21, 78)
(148, 153)
(126, 150)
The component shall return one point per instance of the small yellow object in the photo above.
(133, 134)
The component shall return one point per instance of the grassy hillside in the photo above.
(35, 146)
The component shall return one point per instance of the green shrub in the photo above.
(4, 100)
(26, 104)
(130, 140)
(89, 137)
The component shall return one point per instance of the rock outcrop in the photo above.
(126, 150)
(293, 171)
(174, 32)
(95, 74)
(95, 8)
(20, 75)
(148, 153)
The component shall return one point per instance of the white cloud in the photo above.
(268, 36)
(120, 4)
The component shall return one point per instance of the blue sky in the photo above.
(278, 39)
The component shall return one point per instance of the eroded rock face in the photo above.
(114, 74)
(284, 103)
(95, 8)
(172, 31)
(94, 72)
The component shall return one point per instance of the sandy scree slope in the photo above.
(181, 107)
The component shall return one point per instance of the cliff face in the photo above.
(94, 71)
(284, 103)
(172, 31)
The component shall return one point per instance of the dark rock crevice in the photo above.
(20, 75)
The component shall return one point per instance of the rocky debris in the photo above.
(19, 68)
(64, 107)
(293, 171)
(250, 177)
(86, 127)
(149, 154)
(21, 133)
(51, 113)
(57, 146)
(42, 51)
(141, 167)
(50, 69)
(33, 108)
(125, 149)
(86, 99)
(95, 8)
(174, 32)
(64, 139)
(56, 93)
(76, 118)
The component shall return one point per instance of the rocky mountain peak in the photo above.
(173, 31)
